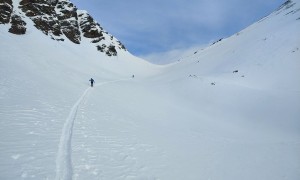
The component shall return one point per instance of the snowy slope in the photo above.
(248, 121)
(41, 79)
(194, 119)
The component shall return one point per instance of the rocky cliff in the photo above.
(60, 20)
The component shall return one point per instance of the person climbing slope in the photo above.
(92, 82)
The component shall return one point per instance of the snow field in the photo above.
(194, 120)
(64, 169)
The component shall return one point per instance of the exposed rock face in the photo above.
(41, 13)
(90, 28)
(6, 9)
(67, 17)
(59, 19)
(44, 14)
(17, 25)
(111, 51)
(93, 31)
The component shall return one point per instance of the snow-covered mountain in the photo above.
(60, 20)
(229, 111)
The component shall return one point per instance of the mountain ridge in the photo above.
(60, 20)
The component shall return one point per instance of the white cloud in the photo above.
(152, 26)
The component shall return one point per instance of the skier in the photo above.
(133, 76)
(92, 82)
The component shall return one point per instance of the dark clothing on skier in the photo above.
(92, 82)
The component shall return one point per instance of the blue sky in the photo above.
(150, 28)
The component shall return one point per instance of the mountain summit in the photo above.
(60, 20)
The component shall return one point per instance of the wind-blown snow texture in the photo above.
(229, 111)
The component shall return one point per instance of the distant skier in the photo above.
(133, 76)
(92, 82)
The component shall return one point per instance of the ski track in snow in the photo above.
(64, 168)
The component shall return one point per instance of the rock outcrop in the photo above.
(6, 9)
(18, 26)
(60, 20)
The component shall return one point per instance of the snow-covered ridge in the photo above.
(60, 20)
(265, 53)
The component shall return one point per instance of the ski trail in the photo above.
(64, 169)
